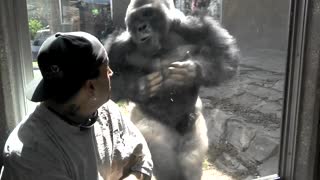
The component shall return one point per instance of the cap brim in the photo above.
(36, 91)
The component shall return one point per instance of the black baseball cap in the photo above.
(66, 61)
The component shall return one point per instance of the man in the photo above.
(74, 134)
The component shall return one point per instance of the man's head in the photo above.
(70, 62)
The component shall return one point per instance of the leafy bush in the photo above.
(95, 12)
(34, 26)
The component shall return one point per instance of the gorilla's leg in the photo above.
(175, 156)
(163, 142)
(193, 149)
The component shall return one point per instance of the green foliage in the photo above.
(95, 12)
(34, 26)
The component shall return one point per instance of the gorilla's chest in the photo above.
(174, 48)
(161, 60)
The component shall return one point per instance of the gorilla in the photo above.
(160, 62)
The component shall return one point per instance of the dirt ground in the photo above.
(211, 173)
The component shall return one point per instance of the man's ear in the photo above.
(90, 87)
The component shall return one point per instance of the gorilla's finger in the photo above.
(189, 74)
(152, 76)
(154, 89)
(177, 77)
(155, 85)
(182, 71)
(155, 81)
(177, 64)
(188, 63)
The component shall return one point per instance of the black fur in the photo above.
(199, 39)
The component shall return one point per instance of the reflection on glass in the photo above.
(243, 116)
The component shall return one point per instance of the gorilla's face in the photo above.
(148, 27)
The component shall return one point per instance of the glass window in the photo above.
(46, 17)
(243, 116)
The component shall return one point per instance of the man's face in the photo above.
(103, 86)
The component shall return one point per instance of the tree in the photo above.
(34, 26)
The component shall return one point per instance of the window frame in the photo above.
(299, 130)
(16, 71)
(300, 123)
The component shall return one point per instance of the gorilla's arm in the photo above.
(131, 80)
(118, 46)
(216, 54)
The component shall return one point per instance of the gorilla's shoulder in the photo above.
(117, 39)
(118, 44)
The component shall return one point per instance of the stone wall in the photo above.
(244, 117)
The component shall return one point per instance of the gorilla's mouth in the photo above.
(144, 39)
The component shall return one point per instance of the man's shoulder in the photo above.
(27, 150)
(29, 134)
(111, 113)
(112, 105)
(14, 144)
(111, 109)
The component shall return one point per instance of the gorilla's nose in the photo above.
(142, 27)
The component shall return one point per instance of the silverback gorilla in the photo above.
(159, 64)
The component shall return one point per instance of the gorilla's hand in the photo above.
(181, 73)
(149, 85)
(177, 75)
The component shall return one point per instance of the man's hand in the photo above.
(134, 176)
(134, 158)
